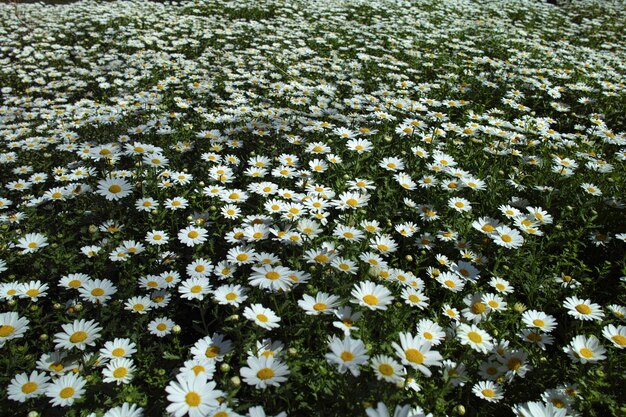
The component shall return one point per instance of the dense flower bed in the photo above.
(313, 208)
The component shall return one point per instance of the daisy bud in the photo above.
(57, 306)
(235, 381)
(11, 303)
(212, 208)
(78, 307)
(292, 351)
(409, 258)
(559, 227)
(224, 367)
(189, 218)
(201, 183)
(519, 308)
(460, 410)
(33, 414)
(600, 373)
(176, 329)
(234, 317)
(200, 222)
(388, 138)
(43, 337)
(34, 307)
(346, 177)
(93, 229)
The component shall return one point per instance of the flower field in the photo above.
(313, 208)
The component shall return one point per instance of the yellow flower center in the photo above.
(118, 352)
(414, 298)
(414, 356)
(583, 309)
(193, 234)
(33, 292)
(29, 387)
(242, 257)
(352, 202)
(115, 189)
(32, 245)
(347, 356)
(6, 330)
(385, 369)
(231, 296)
(587, 353)
(262, 318)
(212, 351)
(539, 322)
(192, 399)
(475, 337)
(196, 289)
(272, 275)
(265, 373)
(319, 306)
(488, 392)
(479, 308)
(67, 392)
(370, 299)
(120, 372)
(78, 337)
(514, 364)
(161, 327)
(619, 339)
(507, 238)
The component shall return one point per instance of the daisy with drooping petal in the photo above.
(24, 387)
(476, 338)
(416, 353)
(12, 326)
(79, 335)
(213, 347)
(264, 371)
(66, 389)
(583, 309)
(193, 395)
(347, 354)
(261, 316)
(346, 320)
(585, 349)
(199, 366)
(369, 294)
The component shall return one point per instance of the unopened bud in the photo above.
(224, 367)
(176, 329)
(235, 381)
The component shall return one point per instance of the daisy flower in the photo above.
(386, 368)
(369, 294)
(322, 303)
(79, 335)
(540, 320)
(585, 349)
(416, 353)
(488, 390)
(24, 387)
(347, 354)
(12, 326)
(583, 309)
(118, 348)
(269, 277)
(261, 316)
(264, 371)
(193, 395)
(66, 389)
(197, 366)
(213, 347)
(616, 335)
(430, 331)
(97, 291)
(477, 339)
(538, 409)
(161, 326)
(114, 188)
(351, 200)
(32, 242)
(194, 288)
(192, 235)
(157, 237)
(139, 304)
(119, 370)
(125, 410)
(33, 290)
(415, 298)
(507, 237)
(230, 295)
(346, 320)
